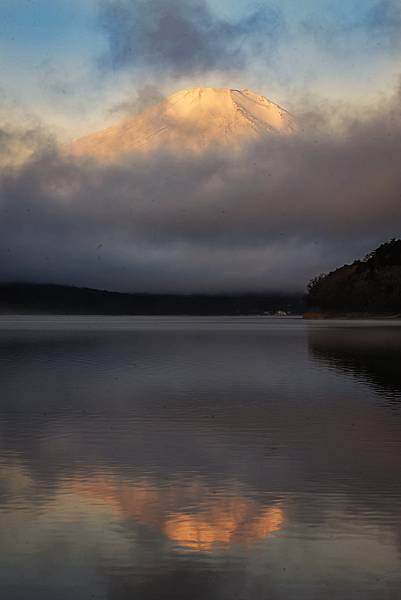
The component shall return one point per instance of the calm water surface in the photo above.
(206, 458)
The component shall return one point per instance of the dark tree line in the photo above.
(370, 285)
(58, 299)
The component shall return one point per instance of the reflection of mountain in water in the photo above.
(370, 353)
(221, 518)
(195, 458)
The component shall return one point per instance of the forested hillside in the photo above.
(370, 285)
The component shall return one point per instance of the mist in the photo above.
(265, 219)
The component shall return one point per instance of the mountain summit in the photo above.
(190, 120)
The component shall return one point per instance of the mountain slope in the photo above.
(190, 120)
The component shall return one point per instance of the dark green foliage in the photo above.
(371, 285)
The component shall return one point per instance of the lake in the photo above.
(199, 458)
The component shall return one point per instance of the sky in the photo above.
(69, 61)
(70, 67)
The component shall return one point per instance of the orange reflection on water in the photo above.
(203, 531)
(220, 519)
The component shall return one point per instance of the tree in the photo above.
(315, 282)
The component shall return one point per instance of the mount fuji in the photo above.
(191, 120)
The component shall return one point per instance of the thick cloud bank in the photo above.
(265, 220)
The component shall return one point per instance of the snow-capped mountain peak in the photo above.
(190, 120)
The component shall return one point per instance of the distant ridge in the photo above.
(22, 298)
(190, 120)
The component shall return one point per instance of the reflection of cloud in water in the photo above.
(220, 519)
(369, 353)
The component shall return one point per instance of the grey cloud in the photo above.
(19, 142)
(180, 38)
(55, 79)
(146, 96)
(383, 22)
(266, 220)
(376, 27)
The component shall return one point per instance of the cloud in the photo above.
(383, 22)
(184, 38)
(17, 143)
(268, 219)
(375, 28)
(146, 96)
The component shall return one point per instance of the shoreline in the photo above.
(351, 316)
